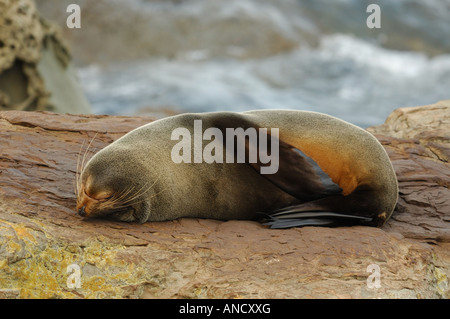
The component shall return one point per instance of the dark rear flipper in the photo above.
(295, 216)
(323, 201)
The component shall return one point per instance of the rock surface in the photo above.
(41, 235)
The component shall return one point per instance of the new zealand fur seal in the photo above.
(329, 172)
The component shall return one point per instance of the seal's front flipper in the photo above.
(299, 175)
(323, 203)
(295, 216)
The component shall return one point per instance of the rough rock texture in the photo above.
(418, 143)
(40, 234)
(35, 68)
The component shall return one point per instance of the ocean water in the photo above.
(344, 71)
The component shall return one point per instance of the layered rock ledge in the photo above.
(41, 235)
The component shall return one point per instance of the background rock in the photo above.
(35, 68)
(41, 235)
(418, 142)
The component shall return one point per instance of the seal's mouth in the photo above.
(83, 202)
(82, 211)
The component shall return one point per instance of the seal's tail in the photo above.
(295, 216)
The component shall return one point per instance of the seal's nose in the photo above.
(82, 212)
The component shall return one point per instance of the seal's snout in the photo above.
(82, 211)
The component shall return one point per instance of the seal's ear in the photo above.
(299, 175)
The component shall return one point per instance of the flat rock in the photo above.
(417, 140)
(42, 237)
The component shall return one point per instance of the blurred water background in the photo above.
(137, 56)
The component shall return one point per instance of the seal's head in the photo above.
(107, 188)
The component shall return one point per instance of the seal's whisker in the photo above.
(87, 149)
(124, 193)
(143, 190)
(142, 200)
(138, 194)
(117, 199)
(78, 173)
(164, 189)
(124, 201)
(121, 196)
(80, 166)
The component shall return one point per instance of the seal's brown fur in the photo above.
(135, 179)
